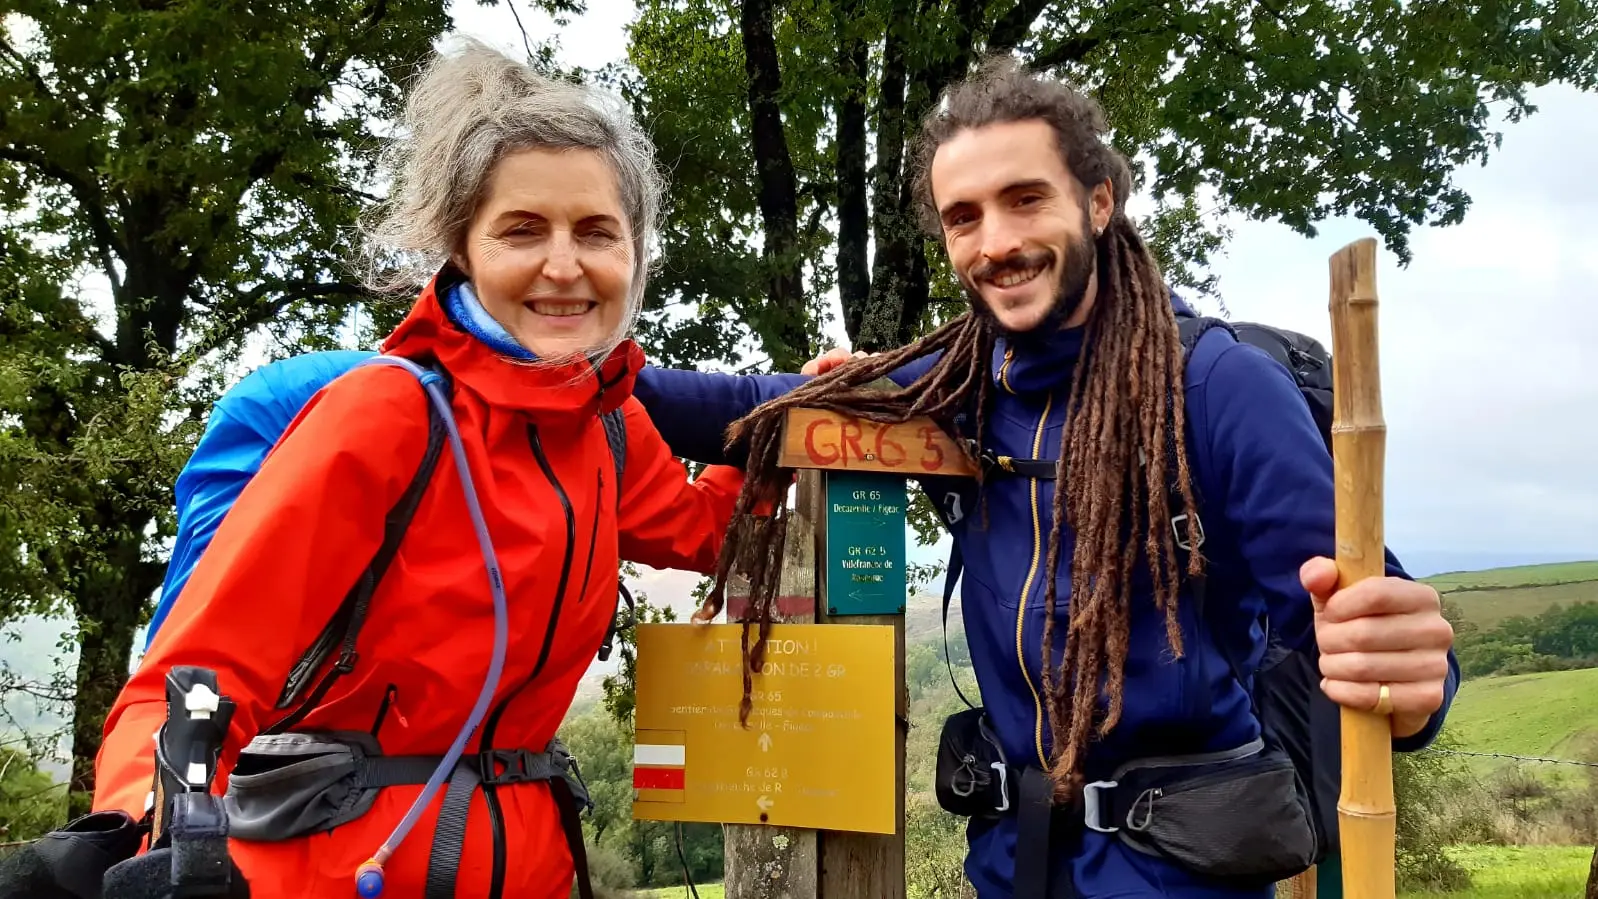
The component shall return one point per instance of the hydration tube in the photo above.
(369, 876)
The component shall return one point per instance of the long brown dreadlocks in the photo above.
(1124, 427)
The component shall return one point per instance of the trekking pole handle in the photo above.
(189, 743)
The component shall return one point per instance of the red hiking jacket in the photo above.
(309, 521)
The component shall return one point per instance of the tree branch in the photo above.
(1013, 26)
(30, 71)
(266, 301)
(304, 98)
(777, 192)
(1066, 52)
(1119, 23)
(89, 198)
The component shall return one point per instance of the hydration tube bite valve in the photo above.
(369, 876)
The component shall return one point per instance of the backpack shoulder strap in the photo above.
(344, 628)
(1193, 327)
(615, 422)
(950, 578)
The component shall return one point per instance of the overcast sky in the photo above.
(1487, 338)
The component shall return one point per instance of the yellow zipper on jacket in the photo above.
(1032, 570)
(1026, 588)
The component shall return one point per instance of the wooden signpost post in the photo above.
(812, 793)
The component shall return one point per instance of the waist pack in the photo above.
(1239, 815)
(289, 785)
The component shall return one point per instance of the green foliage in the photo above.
(646, 850)
(176, 180)
(1420, 782)
(1292, 112)
(1487, 608)
(621, 688)
(1547, 575)
(31, 802)
(1517, 872)
(935, 846)
(1560, 637)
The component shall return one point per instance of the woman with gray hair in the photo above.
(524, 208)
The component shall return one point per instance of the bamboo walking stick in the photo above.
(1365, 810)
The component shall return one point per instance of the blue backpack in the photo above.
(244, 426)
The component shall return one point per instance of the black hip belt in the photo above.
(293, 784)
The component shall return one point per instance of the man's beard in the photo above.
(1081, 262)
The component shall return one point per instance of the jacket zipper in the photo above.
(496, 816)
(593, 535)
(1004, 377)
(1026, 588)
(383, 709)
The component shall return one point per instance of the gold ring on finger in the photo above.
(1384, 702)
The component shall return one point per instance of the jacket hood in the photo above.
(576, 388)
(1042, 364)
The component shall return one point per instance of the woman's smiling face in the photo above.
(549, 251)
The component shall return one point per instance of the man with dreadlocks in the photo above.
(1070, 354)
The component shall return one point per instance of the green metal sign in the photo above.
(865, 544)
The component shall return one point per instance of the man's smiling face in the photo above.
(1018, 231)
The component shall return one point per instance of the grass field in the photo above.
(1520, 576)
(1527, 714)
(706, 891)
(1520, 872)
(1486, 598)
(1488, 608)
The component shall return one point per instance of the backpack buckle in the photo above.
(518, 766)
(1091, 805)
(1180, 533)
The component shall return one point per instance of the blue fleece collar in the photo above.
(463, 308)
(1043, 364)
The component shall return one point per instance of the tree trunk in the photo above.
(109, 604)
(854, 266)
(785, 336)
(873, 325)
(900, 288)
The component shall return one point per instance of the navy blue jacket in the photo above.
(1265, 479)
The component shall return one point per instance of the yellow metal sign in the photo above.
(818, 752)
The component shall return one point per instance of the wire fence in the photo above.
(1518, 758)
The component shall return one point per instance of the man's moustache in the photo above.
(987, 271)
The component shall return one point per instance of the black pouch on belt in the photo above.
(1240, 815)
(973, 778)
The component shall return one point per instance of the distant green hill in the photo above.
(1486, 598)
(1518, 576)
(1488, 608)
